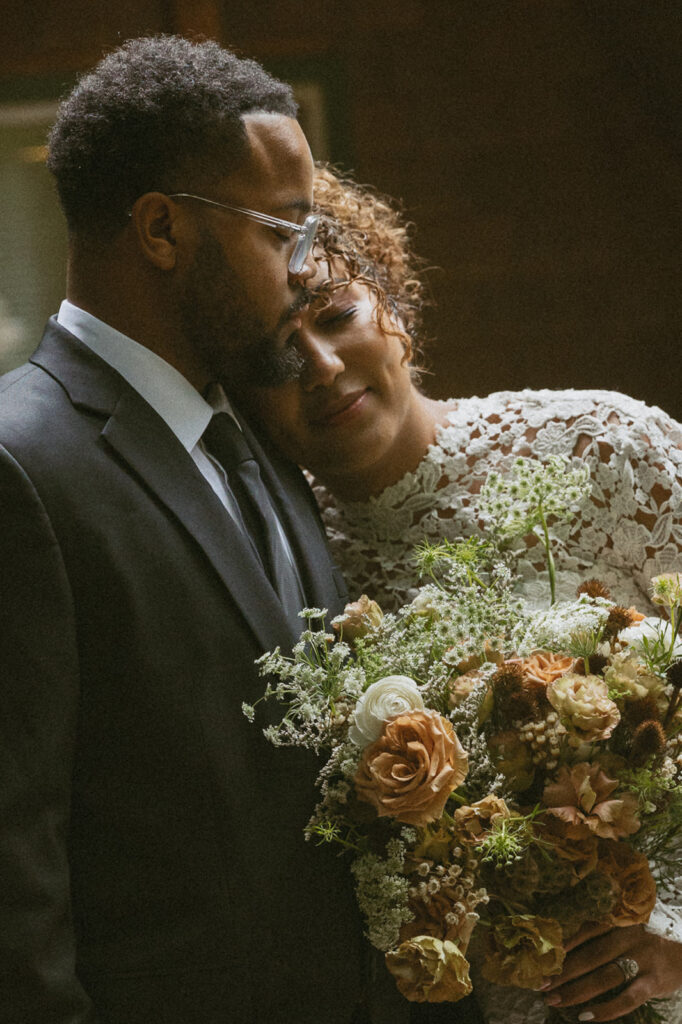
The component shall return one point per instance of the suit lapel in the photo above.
(154, 455)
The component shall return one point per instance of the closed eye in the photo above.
(338, 318)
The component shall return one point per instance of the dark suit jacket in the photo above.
(152, 865)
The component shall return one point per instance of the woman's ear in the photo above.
(156, 223)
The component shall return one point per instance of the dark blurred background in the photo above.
(535, 145)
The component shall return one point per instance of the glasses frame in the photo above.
(305, 231)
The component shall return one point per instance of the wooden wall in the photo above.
(535, 144)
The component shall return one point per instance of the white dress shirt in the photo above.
(169, 394)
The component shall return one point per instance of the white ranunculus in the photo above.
(650, 628)
(382, 701)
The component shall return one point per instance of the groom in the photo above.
(152, 866)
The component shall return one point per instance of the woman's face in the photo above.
(347, 410)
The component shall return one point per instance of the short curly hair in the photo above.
(368, 232)
(159, 113)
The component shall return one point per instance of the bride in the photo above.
(392, 466)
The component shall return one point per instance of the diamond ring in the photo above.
(627, 966)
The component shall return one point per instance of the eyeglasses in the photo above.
(305, 231)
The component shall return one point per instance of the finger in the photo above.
(586, 987)
(595, 953)
(587, 932)
(631, 998)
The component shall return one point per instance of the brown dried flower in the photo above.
(594, 588)
(630, 870)
(648, 742)
(430, 970)
(582, 797)
(475, 820)
(523, 950)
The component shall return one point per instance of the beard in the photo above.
(229, 338)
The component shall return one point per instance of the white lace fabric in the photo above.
(628, 531)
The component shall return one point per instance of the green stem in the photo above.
(550, 558)
(675, 621)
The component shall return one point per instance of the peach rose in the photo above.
(430, 970)
(582, 797)
(545, 666)
(410, 771)
(359, 618)
(630, 871)
(475, 820)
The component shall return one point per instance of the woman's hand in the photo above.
(590, 972)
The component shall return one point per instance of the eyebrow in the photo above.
(329, 282)
(296, 204)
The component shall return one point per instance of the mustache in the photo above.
(302, 301)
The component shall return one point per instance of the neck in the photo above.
(403, 455)
(130, 298)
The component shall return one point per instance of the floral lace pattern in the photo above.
(629, 531)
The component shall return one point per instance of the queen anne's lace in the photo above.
(628, 531)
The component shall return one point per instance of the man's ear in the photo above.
(157, 224)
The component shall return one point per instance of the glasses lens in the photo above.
(304, 244)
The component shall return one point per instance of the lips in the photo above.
(343, 407)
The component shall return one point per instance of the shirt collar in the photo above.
(163, 387)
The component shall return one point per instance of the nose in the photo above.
(308, 270)
(322, 361)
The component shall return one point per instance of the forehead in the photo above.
(277, 173)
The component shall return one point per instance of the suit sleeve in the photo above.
(38, 714)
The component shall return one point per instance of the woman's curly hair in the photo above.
(369, 234)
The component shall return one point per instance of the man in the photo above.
(152, 867)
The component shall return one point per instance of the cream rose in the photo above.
(410, 771)
(382, 701)
(584, 706)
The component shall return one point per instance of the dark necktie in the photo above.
(227, 443)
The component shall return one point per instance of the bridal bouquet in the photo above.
(489, 767)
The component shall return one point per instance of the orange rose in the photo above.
(410, 771)
(630, 870)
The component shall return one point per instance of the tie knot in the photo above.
(225, 440)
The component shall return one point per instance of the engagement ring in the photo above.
(628, 967)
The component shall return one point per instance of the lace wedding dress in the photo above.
(629, 531)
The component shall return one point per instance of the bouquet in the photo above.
(491, 768)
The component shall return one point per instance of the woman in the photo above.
(393, 466)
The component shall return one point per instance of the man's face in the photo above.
(237, 300)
